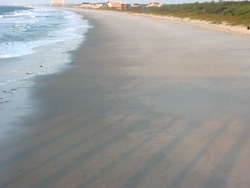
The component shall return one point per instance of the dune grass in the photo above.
(232, 13)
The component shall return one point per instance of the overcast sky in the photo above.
(11, 2)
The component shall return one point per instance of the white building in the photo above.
(154, 4)
(57, 2)
(116, 5)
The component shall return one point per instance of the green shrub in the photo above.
(228, 11)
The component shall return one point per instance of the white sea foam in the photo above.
(33, 42)
(22, 31)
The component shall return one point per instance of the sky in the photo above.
(11, 2)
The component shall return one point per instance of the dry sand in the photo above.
(148, 103)
(238, 29)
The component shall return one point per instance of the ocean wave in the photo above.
(25, 30)
(39, 34)
(17, 49)
(39, 47)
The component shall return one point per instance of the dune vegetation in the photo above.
(230, 12)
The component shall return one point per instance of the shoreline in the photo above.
(20, 74)
(147, 103)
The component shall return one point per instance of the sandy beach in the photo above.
(237, 29)
(147, 103)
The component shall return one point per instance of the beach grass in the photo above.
(232, 13)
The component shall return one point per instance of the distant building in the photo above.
(85, 5)
(116, 5)
(154, 4)
(135, 5)
(23, 4)
(98, 5)
(92, 5)
(57, 2)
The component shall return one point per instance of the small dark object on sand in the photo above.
(3, 102)
(7, 92)
(248, 27)
(41, 66)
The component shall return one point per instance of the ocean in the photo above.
(34, 41)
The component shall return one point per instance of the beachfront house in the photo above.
(92, 5)
(116, 5)
(57, 2)
(98, 5)
(134, 5)
(85, 4)
(154, 4)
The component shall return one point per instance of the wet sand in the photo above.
(146, 103)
